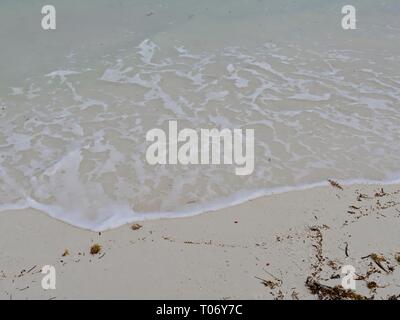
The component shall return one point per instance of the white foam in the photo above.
(74, 146)
(123, 214)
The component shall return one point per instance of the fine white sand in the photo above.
(283, 239)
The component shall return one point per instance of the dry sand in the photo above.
(262, 249)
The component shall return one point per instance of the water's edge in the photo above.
(117, 219)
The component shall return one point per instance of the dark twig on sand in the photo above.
(378, 259)
(335, 184)
(31, 268)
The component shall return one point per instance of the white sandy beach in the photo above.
(80, 106)
(282, 239)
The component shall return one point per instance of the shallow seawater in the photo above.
(76, 102)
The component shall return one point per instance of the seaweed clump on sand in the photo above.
(372, 285)
(397, 257)
(95, 249)
(136, 226)
(325, 292)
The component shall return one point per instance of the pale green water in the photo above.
(76, 103)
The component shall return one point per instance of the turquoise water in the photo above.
(76, 102)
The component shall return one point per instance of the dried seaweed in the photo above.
(378, 259)
(372, 285)
(295, 295)
(136, 226)
(268, 283)
(325, 292)
(317, 236)
(95, 249)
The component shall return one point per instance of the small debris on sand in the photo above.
(136, 226)
(268, 283)
(346, 250)
(372, 285)
(66, 253)
(381, 193)
(31, 269)
(295, 295)
(362, 196)
(95, 249)
(335, 184)
(378, 259)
